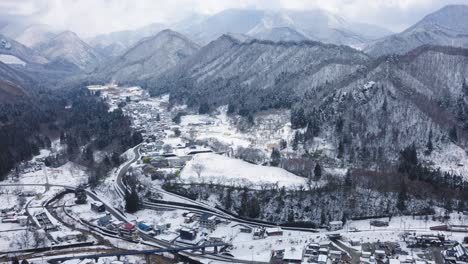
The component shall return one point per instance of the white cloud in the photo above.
(89, 17)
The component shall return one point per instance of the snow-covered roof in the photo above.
(322, 258)
(293, 254)
(273, 229)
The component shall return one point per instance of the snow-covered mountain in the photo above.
(116, 43)
(150, 57)
(258, 68)
(278, 34)
(317, 25)
(69, 47)
(447, 26)
(36, 35)
(383, 105)
(17, 50)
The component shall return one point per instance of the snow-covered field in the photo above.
(10, 59)
(268, 130)
(228, 171)
(69, 174)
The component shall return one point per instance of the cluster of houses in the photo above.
(194, 223)
(456, 255)
(314, 252)
(427, 240)
(10, 216)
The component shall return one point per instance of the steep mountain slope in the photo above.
(446, 27)
(69, 47)
(35, 35)
(116, 43)
(228, 70)
(395, 102)
(14, 85)
(150, 57)
(11, 47)
(367, 109)
(314, 24)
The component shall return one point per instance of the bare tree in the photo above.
(198, 168)
(167, 148)
(39, 238)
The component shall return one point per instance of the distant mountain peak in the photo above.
(447, 26)
(70, 47)
(452, 17)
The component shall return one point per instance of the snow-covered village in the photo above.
(54, 214)
(253, 131)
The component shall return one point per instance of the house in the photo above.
(258, 233)
(105, 220)
(311, 250)
(216, 238)
(245, 229)
(189, 218)
(98, 207)
(274, 231)
(127, 230)
(335, 254)
(144, 227)
(456, 255)
(322, 259)
(366, 254)
(187, 234)
(208, 221)
(292, 255)
(335, 225)
(23, 220)
(355, 242)
(379, 254)
(323, 251)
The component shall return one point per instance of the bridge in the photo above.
(146, 253)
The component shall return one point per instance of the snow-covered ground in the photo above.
(451, 158)
(270, 128)
(69, 174)
(228, 171)
(10, 59)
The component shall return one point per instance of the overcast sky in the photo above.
(90, 17)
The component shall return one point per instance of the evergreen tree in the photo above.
(228, 199)
(340, 150)
(290, 216)
(244, 206)
(15, 260)
(298, 118)
(283, 144)
(317, 172)
(453, 134)
(295, 141)
(132, 201)
(204, 109)
(429, 146)
(231, 109)
(348, 181)
(465, 87)
(158, 117)
(275, 157)
(402, 196)
(254, 208)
